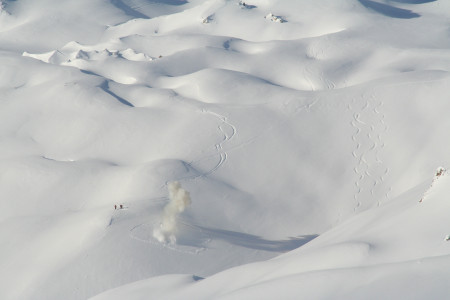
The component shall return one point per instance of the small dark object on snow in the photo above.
(440, 171)
(245, 5)
(121, 206)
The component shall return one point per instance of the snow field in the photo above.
(303, 134)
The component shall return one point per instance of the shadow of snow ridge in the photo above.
(413, 1)
(128, 10)
(258, 243)
(105, 87)
(390, 11)
(243, 239)
(170, 2)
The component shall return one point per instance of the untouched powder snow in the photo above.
(388, 252)
(304, 138)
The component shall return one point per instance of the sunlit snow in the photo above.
(204, 149)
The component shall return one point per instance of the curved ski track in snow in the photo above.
(227, 136)
(228, 131)
(144, 233)
(83, 58)
(370, 170)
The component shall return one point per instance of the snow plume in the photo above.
(179, 200)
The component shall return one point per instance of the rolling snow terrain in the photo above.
(205, 149)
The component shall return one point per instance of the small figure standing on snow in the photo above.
(121, 206)
(440, 171)
(115, 206)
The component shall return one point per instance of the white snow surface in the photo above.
(305, 135)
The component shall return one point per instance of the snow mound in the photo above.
(273, 18)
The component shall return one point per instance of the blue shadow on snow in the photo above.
(169, 2)
(413, 1)
(258, 243)
(239, 239)
(128, 10)
(388, 10)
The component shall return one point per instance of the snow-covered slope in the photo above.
(290, 123)
(391, 252)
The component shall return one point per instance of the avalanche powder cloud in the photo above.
(179, 200)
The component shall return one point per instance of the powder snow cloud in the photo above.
(179, 201)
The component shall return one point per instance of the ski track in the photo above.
(219, 147)
(316, 51)
(308, 75)
(143, 232)
(147, 237)
(370, 170)
(223, 155)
